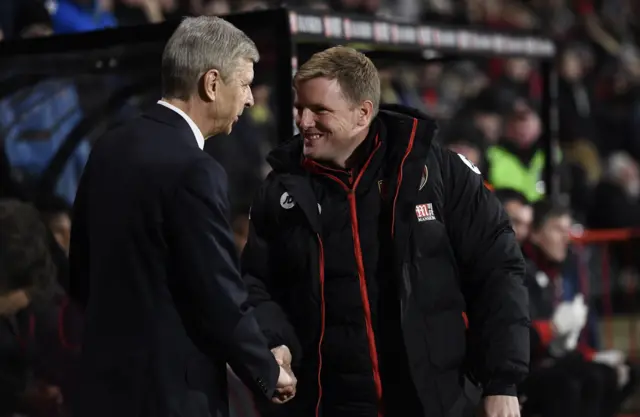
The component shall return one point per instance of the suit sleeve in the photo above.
(208, 291)
(492, 272)
(79, 246)
(258, 273)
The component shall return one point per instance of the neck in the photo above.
(194, 111)
(347, 159)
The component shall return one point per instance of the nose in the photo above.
(304, 119)
(250, 101)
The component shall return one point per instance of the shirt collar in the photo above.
(196, 131)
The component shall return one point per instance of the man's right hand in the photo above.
(286, 386)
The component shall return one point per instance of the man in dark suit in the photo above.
(152, 256)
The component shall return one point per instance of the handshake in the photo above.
(286, 386)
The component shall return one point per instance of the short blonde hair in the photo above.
(356, 75)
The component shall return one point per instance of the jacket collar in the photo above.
(197, 133)
(363, 165)
(162, 114)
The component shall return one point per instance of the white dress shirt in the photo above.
(196, 131)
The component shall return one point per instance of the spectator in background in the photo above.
(26, 273)
(463, 138)
(516, 161)
(618, 96)
(568, 378)
(616, 202)
(72, 16)
(23, 19)
(517, 80)
(574, 98)
(486, 111)
(56, 215)
(519, 210)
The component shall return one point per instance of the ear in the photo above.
(211, 84)
(365, 113)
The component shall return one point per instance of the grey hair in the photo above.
(198, 45)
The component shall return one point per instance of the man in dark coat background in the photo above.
(152, 256)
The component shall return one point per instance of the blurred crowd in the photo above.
(488, 109)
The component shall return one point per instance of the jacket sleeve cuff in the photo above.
(498, 387)
(274, 340)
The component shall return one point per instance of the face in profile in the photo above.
(554, 237)
(521, 216)
(232, 96)
(490, 125)
(525, 127)
(328, 122)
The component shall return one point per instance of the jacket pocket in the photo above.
(446, 340)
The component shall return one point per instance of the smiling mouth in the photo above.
(312, 136)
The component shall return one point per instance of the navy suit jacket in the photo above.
(154, 264)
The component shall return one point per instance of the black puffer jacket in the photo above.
(451, 250)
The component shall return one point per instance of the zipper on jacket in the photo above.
(371, 341)
(373, 351)
(404, 158)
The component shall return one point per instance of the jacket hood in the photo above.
(404, 128)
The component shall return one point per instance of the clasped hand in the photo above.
(286, 386)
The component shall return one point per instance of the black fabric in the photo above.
(544, 295)
(571, 387)
(15, 362)
(347, 365)
(154, 264)
(461, 256)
